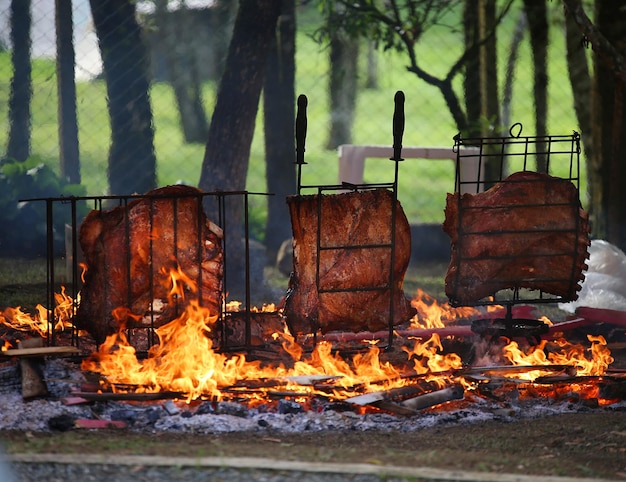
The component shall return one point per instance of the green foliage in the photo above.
(23, 214)
(395, 27)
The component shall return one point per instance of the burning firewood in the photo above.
(350, 291)
(131, 254)
(528, 231)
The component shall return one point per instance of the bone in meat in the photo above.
(151, 236)
(349, 220)
(527, 231)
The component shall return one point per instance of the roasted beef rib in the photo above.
(353, 292)
(527, 231)
(130, 252)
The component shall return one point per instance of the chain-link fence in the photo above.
(203, 43)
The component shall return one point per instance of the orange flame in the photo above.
(432, 314)
(185, 361)
(38, 322)
(588, 361)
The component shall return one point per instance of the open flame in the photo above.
(185, 361)
(432, 314)
(588, 361)
(17, 319)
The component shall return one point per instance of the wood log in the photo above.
(434, 398)
(33, 384)
(39, 352)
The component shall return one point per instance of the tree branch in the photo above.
(599, 43)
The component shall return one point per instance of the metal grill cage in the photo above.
(71, 210)
(498, 157)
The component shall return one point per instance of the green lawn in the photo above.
(423, 184)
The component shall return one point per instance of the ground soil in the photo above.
(591, 444)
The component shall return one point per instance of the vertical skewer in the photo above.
(301, 126)
(398, 126)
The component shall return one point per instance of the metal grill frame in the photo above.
(554, 149)
(73, 283)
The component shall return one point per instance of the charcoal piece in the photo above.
(61, 423)
(527, 231)
(289, 406)
(131, 250)
(351, 291)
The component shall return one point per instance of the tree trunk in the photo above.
(371, 81)
(507, 91)
(471, 79)
(18, 146)
(580, 80)
(481, 80)
(132, 163)
(490, 110)
(226, 157)
(66, 87)
(608, 172)
(182, 72)
(537, 15)
(344, 54)
(278, 107)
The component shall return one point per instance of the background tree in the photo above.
(182, 72)
(132, 163)
(606, 169)
(344, 56)
(580, 79)
(279, 115)
(400, 24)
(18, 146)
(66, 88)
(226, 157)
(537, 16)
(480, 81)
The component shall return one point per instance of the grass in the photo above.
(587, 444)
(423, 184)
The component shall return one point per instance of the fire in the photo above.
(38, 322)
(427, 357)
(432, 314)
(186, 362)
(589, 362)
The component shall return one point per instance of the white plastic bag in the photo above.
(605, 279)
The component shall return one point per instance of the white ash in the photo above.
(222, 417)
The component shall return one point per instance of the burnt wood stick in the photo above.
(434, 398)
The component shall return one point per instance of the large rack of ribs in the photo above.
(130, 252)
(349, 290)
(527, 231)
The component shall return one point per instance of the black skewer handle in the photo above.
(301, 125)
(398, 126)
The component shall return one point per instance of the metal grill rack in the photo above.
(144, 337)
(557, 156)
(398, 132)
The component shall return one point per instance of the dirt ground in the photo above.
(590, 444)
